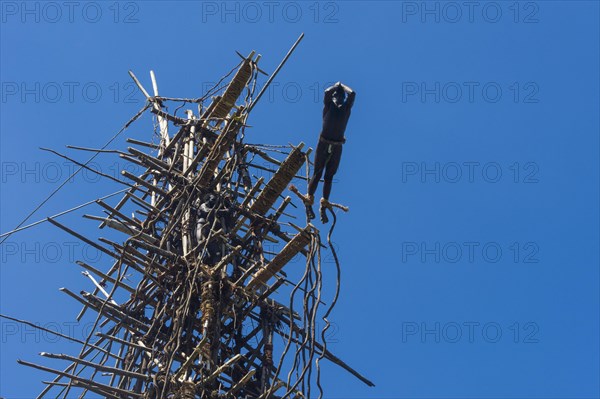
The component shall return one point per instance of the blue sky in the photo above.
(470, 253)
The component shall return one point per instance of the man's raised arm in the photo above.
(329, 93)
(347, 89)
(351, 94)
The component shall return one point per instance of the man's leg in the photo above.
(331, 168)
(320, 160)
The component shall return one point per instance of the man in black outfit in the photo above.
(336, 112)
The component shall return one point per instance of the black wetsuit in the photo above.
(329, 149)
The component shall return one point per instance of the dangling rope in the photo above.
(333, 302)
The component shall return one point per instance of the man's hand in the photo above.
(329, 91)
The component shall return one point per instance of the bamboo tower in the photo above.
(196, 226)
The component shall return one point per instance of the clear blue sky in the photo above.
(470, 254)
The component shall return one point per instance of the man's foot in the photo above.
(308, 201)
(324, 218)
(310, 214)
(323, 210)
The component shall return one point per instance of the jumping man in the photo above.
(338, 101)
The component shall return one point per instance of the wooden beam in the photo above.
(279, 181)
(292, 248)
